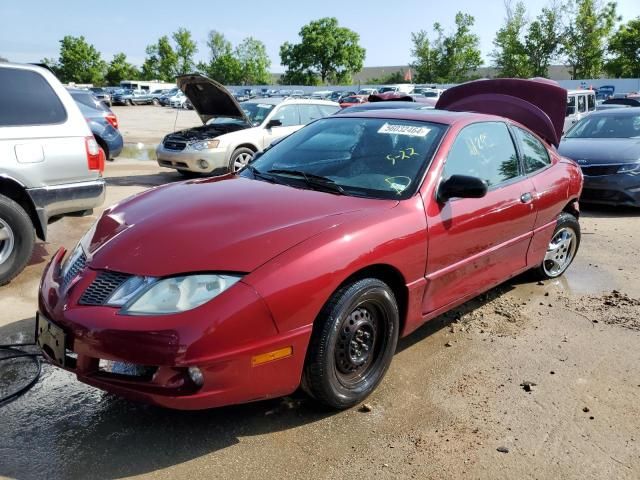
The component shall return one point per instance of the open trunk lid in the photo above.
(539, 104)
(209, 98)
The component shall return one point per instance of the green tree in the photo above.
(624, 46)
(510, 56)
(449, 58)
(325, 50)
(584, 40)
(161, 62)
(185, 49)
(223, 66)
(254, 62)
(79, 62)
(542, 41)
(119, 69)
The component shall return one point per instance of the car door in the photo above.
(476, 243)
(289, 118)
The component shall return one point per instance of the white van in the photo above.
(580, 103)
(398, 88)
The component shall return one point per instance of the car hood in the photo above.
(209, 98)
(601, 150)
(228, 224)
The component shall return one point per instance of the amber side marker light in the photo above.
(271, 356)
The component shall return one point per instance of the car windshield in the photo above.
(369, 157)
(612, 125)
(387, 89)
(256, 112)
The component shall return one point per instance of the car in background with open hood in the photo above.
(232, 133)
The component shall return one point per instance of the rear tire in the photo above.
(240, 158)
(562, 248)
(17, 238)
(352, 344)
(156, 102)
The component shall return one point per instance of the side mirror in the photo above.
(274, 123)
(461, 186)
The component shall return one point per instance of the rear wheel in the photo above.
(240, 158)
(16, 239)
(130, 103)
(352, 344)
(562, 248)
(156, 102)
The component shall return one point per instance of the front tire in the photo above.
(352, 344)
(240, 158)
(16, 239)
(562, 248)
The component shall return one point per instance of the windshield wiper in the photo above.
(258, 174)
(311, 179)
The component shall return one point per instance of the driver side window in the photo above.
(483, 150)
(288, 115)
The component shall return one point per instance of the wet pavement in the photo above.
(451, 398)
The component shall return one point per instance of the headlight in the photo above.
(151, 296)
(205, 145)
(632, 168)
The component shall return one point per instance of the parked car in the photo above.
(102, 122)
(369, 106)
(337, 95)
(177, 100)
(102, 95)
(353, 100)
(133, 97)
(605, 91)
(606, 145)
(321, 95)
(305, 268)
(398, 88)
(165, 98)
(232, 133)
(627, 101)
(368, 91)
(156, 95)
(50, 163)
(580, 103)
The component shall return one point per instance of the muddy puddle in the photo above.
(138, 151)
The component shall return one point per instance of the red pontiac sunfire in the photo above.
(306, 267)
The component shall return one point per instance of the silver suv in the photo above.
(50, 163)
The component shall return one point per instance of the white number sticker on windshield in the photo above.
(409, 130)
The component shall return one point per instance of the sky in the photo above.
(31, 29)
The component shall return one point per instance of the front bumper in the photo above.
(617, 189)
(57, 200)
(190, 160)
(222, 338)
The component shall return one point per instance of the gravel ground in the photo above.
(526, 381)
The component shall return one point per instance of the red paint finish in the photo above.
(295, 247)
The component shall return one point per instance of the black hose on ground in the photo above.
(14, 351)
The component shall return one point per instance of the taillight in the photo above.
(112, 119)
(95, 155)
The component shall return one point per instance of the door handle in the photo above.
(526, 197)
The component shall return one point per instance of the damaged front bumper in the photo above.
(147, 358)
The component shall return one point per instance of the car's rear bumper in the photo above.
(215, 158)
(58, 200)
(618, 189)
(223, 348)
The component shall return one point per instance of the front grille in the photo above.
(599, 170)
(103, 287)
(173, 145)
(77, 266)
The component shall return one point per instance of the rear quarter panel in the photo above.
(63, 146)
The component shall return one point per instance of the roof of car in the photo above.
(430, 115)
(630, 111)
